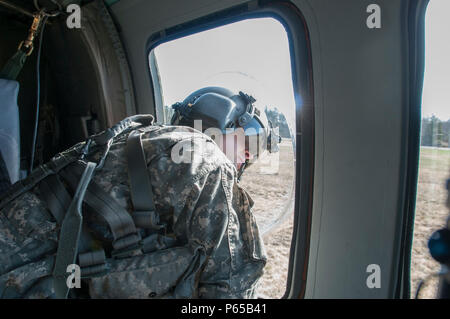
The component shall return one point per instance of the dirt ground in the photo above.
(271, 191)
(431, 214)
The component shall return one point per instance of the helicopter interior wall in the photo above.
(68, 92)
(360, 100)
(74, 104)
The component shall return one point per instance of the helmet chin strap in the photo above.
(241, 170)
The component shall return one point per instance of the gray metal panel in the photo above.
(358, 104)
(139, 19)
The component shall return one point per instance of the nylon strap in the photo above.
(98, 201)
(5, 182)
(92, 263)
(58, 199)
(56, 196)
(92, 258)
(58, 162)
(141, 192)
(14, 65)
(70, 234)
(121, 127)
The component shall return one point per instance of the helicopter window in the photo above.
(252, 56)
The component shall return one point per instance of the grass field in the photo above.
(271, 192)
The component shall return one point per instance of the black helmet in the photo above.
(220, 108)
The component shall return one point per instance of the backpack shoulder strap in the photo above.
(116, 217)
(70, 234)
(4, 177)
(56, 196)
(144, 214)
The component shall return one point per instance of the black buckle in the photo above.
(147, 219)
(249, 113)
(127, 246)
(93, 264)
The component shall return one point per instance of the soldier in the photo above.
(192, 233)
(201, 202)
(211, 246)
(244, 134)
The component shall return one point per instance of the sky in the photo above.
(215, 57)
(436, 88)
(250, 56)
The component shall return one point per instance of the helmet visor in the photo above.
(255, 138)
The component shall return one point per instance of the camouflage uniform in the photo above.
(211, 247)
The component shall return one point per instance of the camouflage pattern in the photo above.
(27, 235)
(210, 247)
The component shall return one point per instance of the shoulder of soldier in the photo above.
(183, 152)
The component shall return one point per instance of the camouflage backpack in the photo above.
(42, 230)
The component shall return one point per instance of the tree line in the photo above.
(435, 132)
(278, 120)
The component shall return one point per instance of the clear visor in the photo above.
(255, 138)
(250, 142)
(253, 127)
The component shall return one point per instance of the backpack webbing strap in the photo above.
(70, 234)
(5, 182)
(14, 65)
(56, 196)
(121, 127)
(92, 263)
(144, 214)
(98, 201)
(57, 163)
(58, 199)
